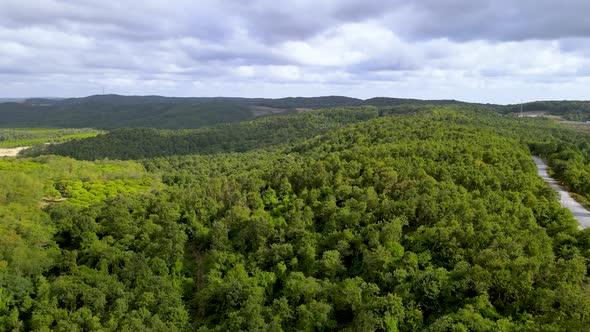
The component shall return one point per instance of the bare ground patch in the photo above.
(11, 152)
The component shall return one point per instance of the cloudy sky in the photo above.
(501, 51)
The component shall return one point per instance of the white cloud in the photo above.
(256, 48)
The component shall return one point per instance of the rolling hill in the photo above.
(115, 111)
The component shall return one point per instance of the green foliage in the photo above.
(114, 111)
(395, 219)
(108, 112)
(403, 223)
(570, 110)
(10, 138)
(569, 159)
(149, 143)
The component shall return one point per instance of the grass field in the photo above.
(11, 138)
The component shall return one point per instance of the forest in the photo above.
(568, 109)
(115, 111)
(362, 218)
(10, 138)
(107, 112)
(138, 143)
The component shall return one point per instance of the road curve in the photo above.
(565, 199)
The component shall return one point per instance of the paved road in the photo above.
(580, 213)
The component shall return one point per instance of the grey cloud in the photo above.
(385, 65)
(235, 56)
(131, 21)
(379, 76)
(575, 45)
(209, 40)
(583, 71)
(275, 22)
(10, 70)
(360, 10)
(497, 20)
(494, 72)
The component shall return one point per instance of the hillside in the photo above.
(114, 111)
(138, 143)
(424, 218)
(109, 113)
(19, 137)
(567, 109)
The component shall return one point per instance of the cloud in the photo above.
(427, 48)
(495, 20)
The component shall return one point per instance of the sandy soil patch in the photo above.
(12, 152)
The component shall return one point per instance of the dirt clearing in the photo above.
(12, 152)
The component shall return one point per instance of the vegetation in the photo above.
(569, 159)
(113, 111)
(569, 110)
(137, 143)
(10, 138)
(107, 114)
(398, 219)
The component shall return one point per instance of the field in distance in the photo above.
(20, 137)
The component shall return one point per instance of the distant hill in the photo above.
(574, 110)
(138, 143)
(12, 100)
(112, 111)
(116, 111)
